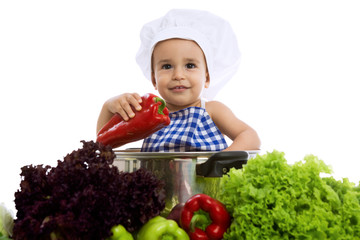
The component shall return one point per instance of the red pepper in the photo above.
(204, 218)
(153, 116)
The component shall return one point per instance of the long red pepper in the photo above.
(153, 116)
(204, 218)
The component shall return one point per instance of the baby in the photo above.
(188, 55)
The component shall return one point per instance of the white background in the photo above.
(60, 60)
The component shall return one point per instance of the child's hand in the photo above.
(123, 104)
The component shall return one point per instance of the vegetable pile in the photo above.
(84, 196)
(270, 199)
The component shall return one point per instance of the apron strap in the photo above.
(203, 101)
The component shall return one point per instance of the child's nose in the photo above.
(178, 73)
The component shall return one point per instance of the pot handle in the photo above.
(220, 163)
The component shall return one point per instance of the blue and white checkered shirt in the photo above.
(191, 129)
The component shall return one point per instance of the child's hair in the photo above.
(213, 34)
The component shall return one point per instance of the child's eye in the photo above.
(166, 66)
(190, 65)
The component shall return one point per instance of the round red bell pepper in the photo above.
(204, 218)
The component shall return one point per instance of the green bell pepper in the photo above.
(159, 228)
(120, 233)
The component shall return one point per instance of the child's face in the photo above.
(179, 72)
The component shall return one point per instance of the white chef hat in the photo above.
(213, 34)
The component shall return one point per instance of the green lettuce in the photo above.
(271, 199)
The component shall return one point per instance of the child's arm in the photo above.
(242, 135)
(119, 104)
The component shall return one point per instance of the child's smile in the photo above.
(179, 88)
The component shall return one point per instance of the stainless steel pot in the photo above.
(185, 173)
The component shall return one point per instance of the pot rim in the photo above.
(169, 155)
